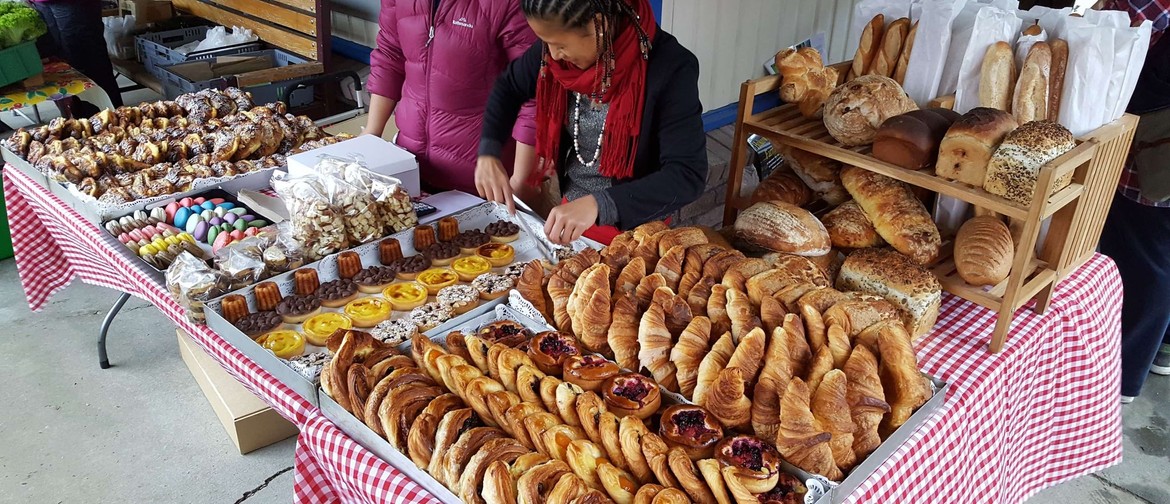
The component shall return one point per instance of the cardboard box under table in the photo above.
(269, 75)
(249, 421)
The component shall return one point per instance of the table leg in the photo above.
(104, 361)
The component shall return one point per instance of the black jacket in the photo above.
(670, 167)
(1153, 85)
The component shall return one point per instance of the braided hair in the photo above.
(577, 14)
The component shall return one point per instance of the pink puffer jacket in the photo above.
(440, 67)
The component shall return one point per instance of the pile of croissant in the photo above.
(158, 148)
(765, 344)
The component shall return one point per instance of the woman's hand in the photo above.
(492, 182)
(569, 221)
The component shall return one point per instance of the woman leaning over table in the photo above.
(431, 70)
(618, 117)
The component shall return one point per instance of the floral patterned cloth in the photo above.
(61, 81)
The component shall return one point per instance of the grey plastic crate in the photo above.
(157, 50)
(175, 84)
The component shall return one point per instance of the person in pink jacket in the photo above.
(433, 69)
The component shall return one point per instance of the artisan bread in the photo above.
(855, 109)
(849, 227)
(911, 140)
(968, 145)
(997, 77)
(893, 39)
(897, 215)
(895, 277)
(819, 173)
(1056, 73)
(783, 185)
(782, 227)
(904, 58)
(983, 251)
(1015, 166)
(805, 79)
(1030, 102)
(867, 46)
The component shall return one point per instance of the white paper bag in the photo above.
(950, 214)
(961, 29)
(864, 12)
(1136, 43)
(927, 59)
(1025, 43)
(992, 24)
(1090, 61)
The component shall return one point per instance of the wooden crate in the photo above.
(1077, 211)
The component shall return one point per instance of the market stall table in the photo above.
(1041, 412)
(59, 81)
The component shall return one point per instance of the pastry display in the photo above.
(406, 295)
(441, 254)
(258, 323)
(502, 231)
(430, 316)
(319, 327)
(296, 309)
(631, 394)
(448, 228)
(691, 428)
(435, 279)
(491, 286)
(470, 240)
(588, 371)
(855, 109)
(499, 254)
(424, 236)
(285, 344)
(408, 268)
(348, 264)
(459, 298)
(1015, 166)
(389, 250)
(983, 251)
(367, 311)
(267, 296)
(234, 307)
(395, 332)
(551, 350)
(374, 279)
(470, 267)
(336, 293)
(305, 281)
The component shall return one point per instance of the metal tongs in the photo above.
(541, 243)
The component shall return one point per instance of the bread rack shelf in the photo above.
(1077, 212)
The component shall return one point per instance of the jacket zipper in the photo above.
(427, 66)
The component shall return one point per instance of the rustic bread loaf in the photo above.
(969, 143)
(782, 227)
(983, 251)
(896, 278)
(897, 215)
(855, 109)
(1015, 166)
(782, 185)
(911, 140)
(848, 227)
(819, 173)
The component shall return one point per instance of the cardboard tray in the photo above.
(475, 217)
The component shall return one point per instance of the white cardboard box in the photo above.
(379, 156)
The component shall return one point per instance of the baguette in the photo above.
(893, 39)
(1030, 102)
(997, 76)
(904, 58)
(867, 47)
(1059, 50)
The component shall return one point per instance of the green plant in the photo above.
(19, 23)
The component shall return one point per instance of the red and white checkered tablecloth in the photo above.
(1043, 411)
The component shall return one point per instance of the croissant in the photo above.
(471, 480)
(742, 314)
(737, 274)
(654, 345)
(631, 432)
(693, 264)
(420, 439)
(450, 427)
(647, 247)
(688, 353)
(618, 484)
(697, 296)
(629, 277)
(655, 450)
(906, 389)
(838, 343)
(774, 378)
(681, 237)
(592, 313)
(676, 310)
(727, 400)
(799, 354)
(800, 440)
(867, 404)
(814, 327)
(749, 355)
(772, 314)
(590, 406)
(822, 363)
(714, 362)
(853, 316)
(868, 337)
(689, 478)
(498, 485)
(400, 409)
(514, 420)
(670, 266)
(559, 288)
(831, 409)
(616, 257)
(645, 290)
(740, 493)
(717, 309)
(623, 332)
(574, 266)
(534, 486)
(530, 285)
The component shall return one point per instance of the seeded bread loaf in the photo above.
(893, 276)
(1015, 166)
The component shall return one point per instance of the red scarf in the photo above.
(626, 97)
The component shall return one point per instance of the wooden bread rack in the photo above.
(1078, 211)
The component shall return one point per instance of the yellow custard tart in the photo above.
(435, 279)
(470, 267)
(406, 296)
(285, 343)
(499, 254)
(319, 327)
(367, 312)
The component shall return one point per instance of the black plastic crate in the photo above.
(175, 84)
(157, 49)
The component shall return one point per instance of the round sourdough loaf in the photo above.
(856, 109)
(782, 227)
(983, 251)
